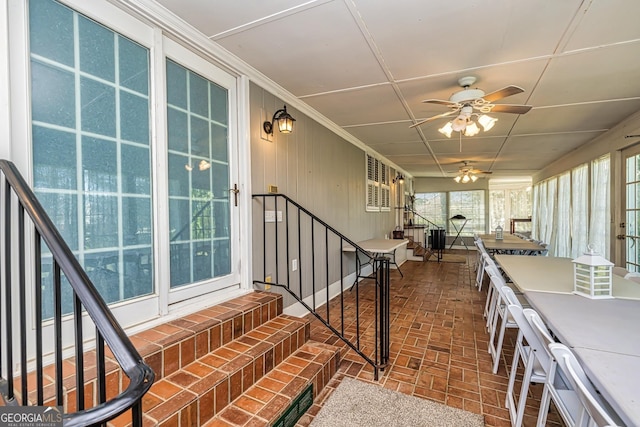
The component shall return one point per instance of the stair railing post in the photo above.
(383, 282)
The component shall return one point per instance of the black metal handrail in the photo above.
(293, 233)
(86, 298)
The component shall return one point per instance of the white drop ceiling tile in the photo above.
(317, 50)
(212, 17)
(575, 118)
(402, 149)
(606, 22)
(384, 133)
(551, 144)
(594, 75)
(377, 104)
(441, 35)
(471, 147)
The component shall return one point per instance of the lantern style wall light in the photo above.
(284, 119)
(592, 275)
(399, 178)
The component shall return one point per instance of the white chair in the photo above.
(490, 303)
(501, 321)
(556, 387)
(593, 410)
(633, 276)
(620, 271)
(485, 258)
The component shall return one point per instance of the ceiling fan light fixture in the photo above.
(446, 130)
(457, 178)
(472, 129)
(465, 178)
(487, 122)
(474, 178)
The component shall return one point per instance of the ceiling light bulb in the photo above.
(471, 129)
(487, 122)
(465, 178)
(459, 123)
(446, 130)
(474, 178)
(457, 178)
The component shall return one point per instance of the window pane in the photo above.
(98, 107)
(93, 177)
(50, 102)
(99, 165)
(198, 177)
(55, 154)
(134, 66)
(96, 46)
(51, 31)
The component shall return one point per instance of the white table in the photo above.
(377, 247)
(604, 334)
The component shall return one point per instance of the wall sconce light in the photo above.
(399, 178)
(285, 122)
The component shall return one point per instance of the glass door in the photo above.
(631, 231)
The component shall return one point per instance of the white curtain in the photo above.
(550, 229)
(562, 245)
(543, 211)
(599, 225)
(535, 214)
(579, 211)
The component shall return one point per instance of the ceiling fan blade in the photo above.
(448, 113)
(503, 93)
(441, 102)
(511, 108)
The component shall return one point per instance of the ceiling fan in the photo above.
(467, 173)
(471, 105)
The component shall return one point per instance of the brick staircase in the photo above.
(239, 363)
(419, 252)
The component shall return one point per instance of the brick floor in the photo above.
(438, 343)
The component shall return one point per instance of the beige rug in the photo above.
(356, 403)
(447, 258)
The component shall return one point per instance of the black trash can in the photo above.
(438, 239)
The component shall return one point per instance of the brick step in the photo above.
(167, 347)
(204, 387)
(263, 403)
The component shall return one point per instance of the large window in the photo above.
(508, 200)
(139, 193)
(439, 207)
(433, 207)
(469, 204)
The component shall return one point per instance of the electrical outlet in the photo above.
(268, 280)
(294, 265)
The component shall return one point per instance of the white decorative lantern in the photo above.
(499, 233)
(592, 275)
